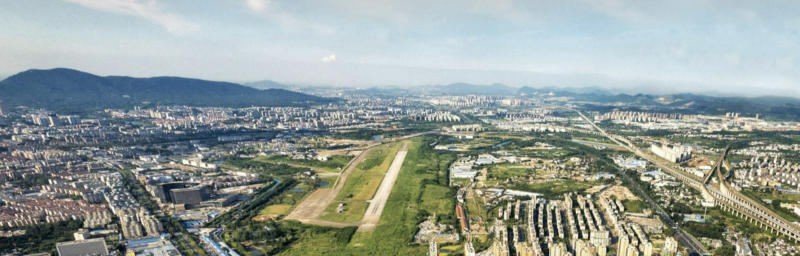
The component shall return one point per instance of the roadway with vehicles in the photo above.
(693, 247)
(726, 197)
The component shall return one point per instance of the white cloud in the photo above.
(331, 58)
(257, 5)
(147, 9)
(290, 21)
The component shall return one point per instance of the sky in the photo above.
(733, 47)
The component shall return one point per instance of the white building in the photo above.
(672, 153)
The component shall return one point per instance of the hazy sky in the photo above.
(670, 46)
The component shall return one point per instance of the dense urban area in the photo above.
(399, 173)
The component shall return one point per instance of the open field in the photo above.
(547, 153)
(636, 206)
(360, 186)
(434, 205)
(377, 204)
(275, 209)
(332, 153)
(308, 210)
(333, 165)
(556, 188)
(292, 198)
(353, 211)
(509, 170)
(452, 249)
(282, 203)
(379, 159)
(394, 230)
(621, 192)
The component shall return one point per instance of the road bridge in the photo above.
(729, 199)
(726, 197)
(691, 244)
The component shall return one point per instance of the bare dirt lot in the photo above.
(620, 192)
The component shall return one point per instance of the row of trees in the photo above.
(41, 237)
(334, 162)
(247, 210)
(172, 225)
(268, 169)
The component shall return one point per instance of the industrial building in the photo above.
(94, 247)
(182, 193)
(192, 195)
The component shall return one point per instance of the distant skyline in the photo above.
(733, 47)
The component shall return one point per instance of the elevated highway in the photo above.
(729, 199)
(725, 196)
(693, 247)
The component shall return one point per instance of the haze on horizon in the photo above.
(733, 47)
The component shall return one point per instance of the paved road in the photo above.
(693, 247)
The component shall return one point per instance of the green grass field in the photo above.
(508, 170)
(474, 210)
(557, 188)
(453, 249)
(547, 154)
(275, 209)
(360, 186)
(636, 206)
(431, 202)
(379, 159)
(462, 182)
(400, 219)
(333, 165)
(353, 211)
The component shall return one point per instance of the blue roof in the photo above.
(141, 242)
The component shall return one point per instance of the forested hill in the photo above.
(67, 90)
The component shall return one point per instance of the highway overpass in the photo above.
(726, 197)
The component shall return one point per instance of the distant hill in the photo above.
(465, 88)
(67, 90)
(769, 106)
(580, 90)
(267, 84)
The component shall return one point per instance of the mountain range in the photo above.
(603, 99)
(66, 90)
(465, 88)
(267, 84)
